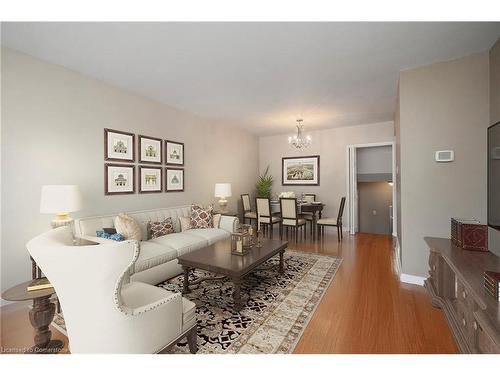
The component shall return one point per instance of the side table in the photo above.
(41, 315)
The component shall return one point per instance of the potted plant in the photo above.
(264, 185)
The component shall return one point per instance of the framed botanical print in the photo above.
(174, 179)
(150, 150)
(150, 179)
(300, 170)
(174, 153)
(119, 146)
(119, 179)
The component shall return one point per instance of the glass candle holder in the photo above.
(259, 239)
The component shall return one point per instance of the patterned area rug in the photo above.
(276, 311)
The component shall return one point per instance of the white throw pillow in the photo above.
(185, 223)
(216, 220)
(128, 227)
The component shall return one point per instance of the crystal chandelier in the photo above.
(298, 140)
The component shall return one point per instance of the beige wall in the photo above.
(495, 83)
(52, 133)
(331, 145)
(442, 106)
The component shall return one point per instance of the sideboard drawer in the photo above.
(484, 342)
(464, 296)
(467, 324)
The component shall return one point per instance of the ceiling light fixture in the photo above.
(298, 141)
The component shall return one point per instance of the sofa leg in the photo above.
(191, 339)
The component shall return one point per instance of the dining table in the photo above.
(315, 208)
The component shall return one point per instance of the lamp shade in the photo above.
(222, 190)
(60, 199)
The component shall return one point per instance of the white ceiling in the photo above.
(260, 76)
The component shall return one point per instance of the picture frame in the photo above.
(119, 146)
(150, 179)
(174, 153)
(300, 171)
(119, 179)
(174, 180)
(150, 150)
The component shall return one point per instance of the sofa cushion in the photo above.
(152, 254)
(212, 235)
(182, 242)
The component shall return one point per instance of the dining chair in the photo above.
(247, 209)
(265, 218)
(333, 222)
(290, 218)
(308, 216)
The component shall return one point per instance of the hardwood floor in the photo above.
(16, 330)
(365, 310)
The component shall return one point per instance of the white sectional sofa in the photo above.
(158, 257)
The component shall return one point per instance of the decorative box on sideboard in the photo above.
(455, 285)
(469, 234)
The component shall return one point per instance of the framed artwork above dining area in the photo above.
(300, 171)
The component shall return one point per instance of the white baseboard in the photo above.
(411, 279)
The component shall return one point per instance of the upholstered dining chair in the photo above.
(333, 222)
(290, 218)
(265, 218)
(308, 216)
(247, 209)
(104, 312)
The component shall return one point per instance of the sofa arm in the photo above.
(229, 223)
(99, 240)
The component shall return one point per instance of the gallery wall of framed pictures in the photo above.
(153, 153)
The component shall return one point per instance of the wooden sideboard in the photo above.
(455, 285)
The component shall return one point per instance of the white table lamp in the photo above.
(222, 191)
(60, 200)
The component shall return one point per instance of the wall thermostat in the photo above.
(445, 156)
(495, 153)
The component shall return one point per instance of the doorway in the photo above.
(371, 197)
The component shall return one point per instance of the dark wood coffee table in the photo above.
(218, 259)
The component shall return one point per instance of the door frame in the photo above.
(352, 183)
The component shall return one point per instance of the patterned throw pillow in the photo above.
(201, 218)
(160, 228)
(185, 223)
